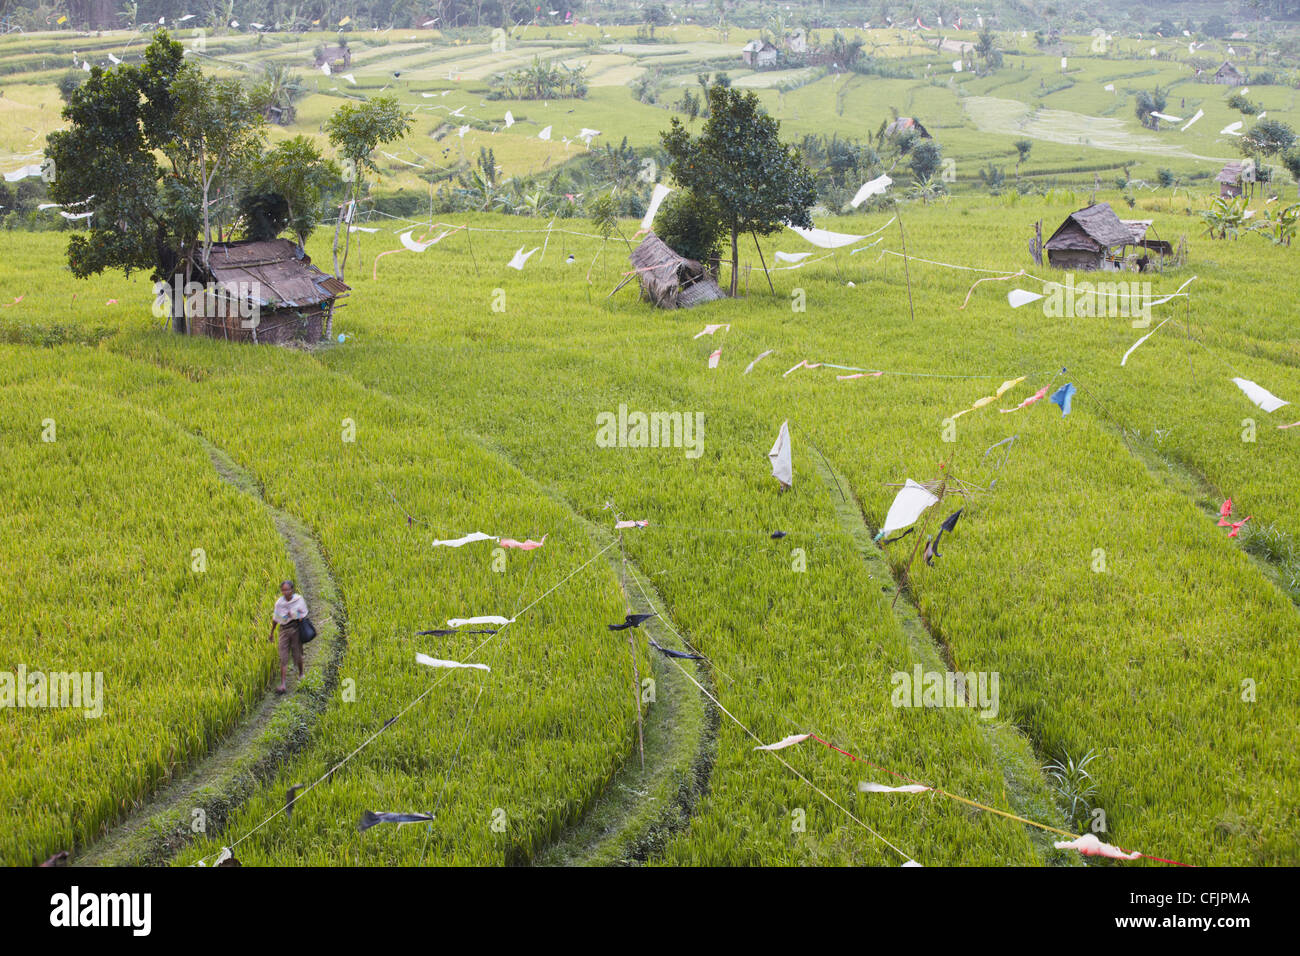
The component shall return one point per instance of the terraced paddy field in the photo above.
(466, 419)
(157, 488)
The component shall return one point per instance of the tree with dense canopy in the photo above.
(739, 164)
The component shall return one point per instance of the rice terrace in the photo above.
(700, 434)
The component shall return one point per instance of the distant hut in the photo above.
(1092, 238)
(1229, 75)
(272, 279)
(669, 280)
(759, 54)
(906, 124)
(1234, 177)
(335, 56)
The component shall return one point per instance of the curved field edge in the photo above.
(642, 806)
(205, 795)
(105, 579)
(1026, 792)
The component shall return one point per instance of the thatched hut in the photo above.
(759, 54)
(337, 57)
(1229, 75)
(1092, 238)
(671, 281)
(1234, 177)
(262, 291)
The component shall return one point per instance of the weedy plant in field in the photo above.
(1074, 785)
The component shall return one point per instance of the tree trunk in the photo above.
(735, 262)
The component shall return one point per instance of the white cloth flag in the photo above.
(520, 257)
(1019, 297)
(325, 68)
(907, 507)
(483, 619)
(350, 78)
(413, 245)
(876, 187)
(867, 787)
(114, 60)
(362, 229)
(762, 355)
(587, 135)
(1232, 129)
(428, 661)
(785, 742)
(782, 467)
(1199, 114)
(510, 119)
(710, 329)
(656, 200)
(714, 358)
(75, 215)
(545, 134)
(826, 239)
(1109, 87)
(792, 256)
(1089, 845)
(467, 539)
(1260, 396)
(23, 173)
(1166, 117)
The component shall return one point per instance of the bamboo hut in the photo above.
(669, 280)
(1092, 238)
(262, 291)
(1234, 177)
(1229, 75)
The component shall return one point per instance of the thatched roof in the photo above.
(1232, 172)
(1137, 228)
(284, 275)
(671, 281)
(1228, 70)
(1095, 228)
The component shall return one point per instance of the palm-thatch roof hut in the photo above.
(263, 291)
(1229, 75)
(1234, 177)
(1087, 238)
(669, 280)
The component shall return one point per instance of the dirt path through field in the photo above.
(204, 794)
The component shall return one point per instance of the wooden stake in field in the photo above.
(906, 269)
(764, 261)
(636, 674)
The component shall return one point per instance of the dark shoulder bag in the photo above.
(306, 631)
